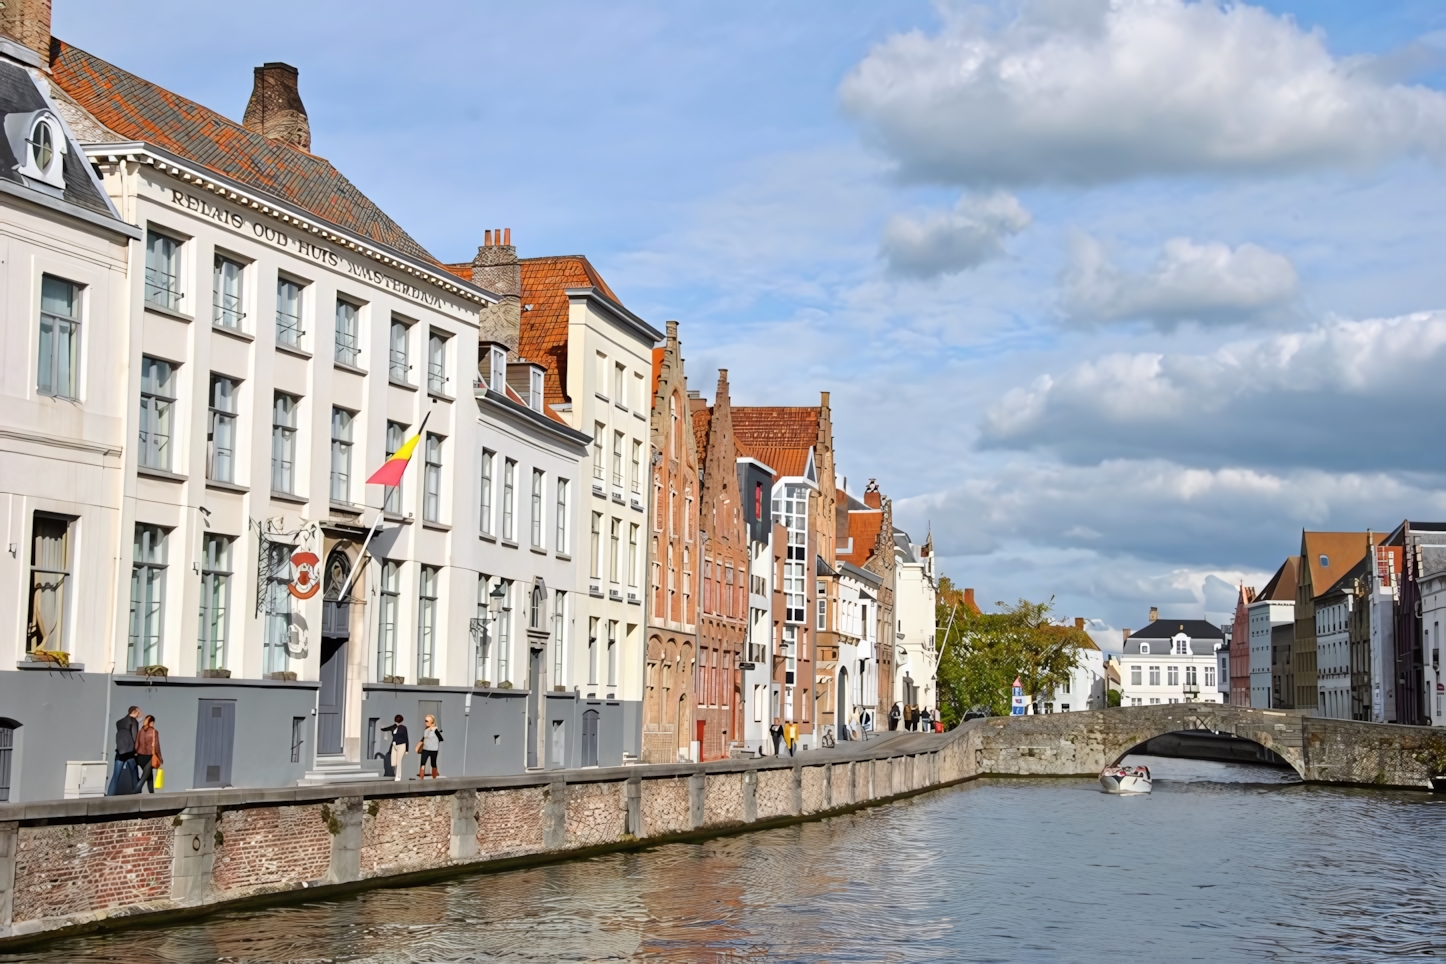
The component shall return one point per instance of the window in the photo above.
(148, 596)
(509, 498)
(538, 484)
(392, 494)
(482, 628)
(7, 749)
(635, 479)
(1209, 676)
(1136, 701)
(822, 624)
(215, 601)
(537, 607)
(488, 458)
(1154, 676)
(563, 517)
(504, 632)
(348, 333)
(226, 293)
(157, 399)
(276, 580)
(341, 423)
(614, 549)
(599, 429)
(427, 625)
(612, 652)
(592, 651)
(619, 377)
(391, 586)
(288, 312)
(221, 438)
(437, 363)
(618, 459)
(1172, 676)
(1182, 648)
(633, 555)
(559, 633)
(595, 556)
(602, 374)
(639, 402)
(1144, 649)
(49, 582)
(59, 338)
(298, 732)
(432, 480)
(283, 443)
(1190, 677)
(1154, 700)
(676, 431)
(398, 364)
(163, 270)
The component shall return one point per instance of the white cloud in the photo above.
(945, 242)
(1210, 283)
(1341, 394)
(1098, 92)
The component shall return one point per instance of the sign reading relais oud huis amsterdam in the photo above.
(295, 242)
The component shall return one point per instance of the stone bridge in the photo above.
(1320, 750)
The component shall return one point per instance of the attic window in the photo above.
(1144, 649)
(1325, 561)
(37, 140)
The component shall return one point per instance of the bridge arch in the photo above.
(1278, 732)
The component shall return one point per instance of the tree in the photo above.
(983, 653)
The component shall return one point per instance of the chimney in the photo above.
(275, 109)
(1154, 613)
(969, 602)
(497, 269)
(1079, 623)
(872, 498)
(28, 22)
(1125, 634)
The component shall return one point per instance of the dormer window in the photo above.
(494, 367)
(37, 140)
(1144, 649)
(534, 396)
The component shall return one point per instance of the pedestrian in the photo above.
(790, 736)
(894, 714)
(148, 753)
(854, 725)
(913, 712)
(428, 746)
(123, 774)
(776, 731)
(399, 744)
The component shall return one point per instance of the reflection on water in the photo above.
(1223, 862)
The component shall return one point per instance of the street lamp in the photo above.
(483, 627)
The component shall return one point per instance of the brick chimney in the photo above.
(1079, 623)
(1125, 634)
(1154, 613)
(28, 22)
(872, 499)
(969, 602)
(497, 269)
(275, 109)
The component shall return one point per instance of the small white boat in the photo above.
(1125, 780)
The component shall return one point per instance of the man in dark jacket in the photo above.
(126, 729)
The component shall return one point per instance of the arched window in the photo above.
(537, 605)
(38, 142)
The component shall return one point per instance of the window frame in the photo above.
(343, 423)
(433, 505)
(156, 415)
(438, 341)
(149, 565)
(539, 486)
(221, 423)
(399, 360)
(290, 334)
(347, 338)
(57, 373)
(509, 500)
(213, 630)
(38, 570)
(223, 315)
(283, 442)
(564, 517)
(163, 287)
(428, 606)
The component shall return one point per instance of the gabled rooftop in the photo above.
(543, 335)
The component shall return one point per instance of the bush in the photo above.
(1113, 699)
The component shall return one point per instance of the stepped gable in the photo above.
(778, 436)
(139, 110)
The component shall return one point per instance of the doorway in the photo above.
(335, 631)
(589, 738)
(534, 703)
(215, 739)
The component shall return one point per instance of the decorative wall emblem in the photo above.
(305, 579)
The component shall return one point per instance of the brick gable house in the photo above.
(672, 625)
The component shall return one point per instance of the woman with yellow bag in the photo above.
(148, 754)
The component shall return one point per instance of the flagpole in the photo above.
(375, 526)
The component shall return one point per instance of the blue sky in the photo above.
(1115, 298)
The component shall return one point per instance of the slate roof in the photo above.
(543, 335)
(1281, 587)
(1196, 629)
(20, 95)
(140, 110)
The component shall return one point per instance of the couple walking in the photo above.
(427, 746)
(138, 760)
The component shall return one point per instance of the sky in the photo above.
(1114, 298)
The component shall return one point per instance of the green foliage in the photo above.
(1433, 758)
(1113, 699)
(982, 653)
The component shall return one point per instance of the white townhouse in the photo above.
(64, 254)
(1431, 581)
(1271, 616)
(596, 360)
(760, 691)
(1382, 587)
(856, 684)
(915, 595)
(1086, 686)
(1333, 647)
(1171, 661)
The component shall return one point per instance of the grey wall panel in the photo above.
(62, 717)
(490, 735)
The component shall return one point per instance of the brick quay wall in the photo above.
(77, 865)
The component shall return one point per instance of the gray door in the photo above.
(215, 737)
(331, 701)
(589, 738)
(557, 746)
(841, 720)
(534, 703)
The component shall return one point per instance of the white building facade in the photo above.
(1333, 655)
(1266, 615)
(1171, 661)
(915, 599)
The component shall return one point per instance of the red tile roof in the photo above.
(140, 110)
(864, 526)
(780, 437)
(658, 354)
(543, 338)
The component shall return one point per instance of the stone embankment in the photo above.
(74, 865)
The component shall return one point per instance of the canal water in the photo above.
(1221, 863)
